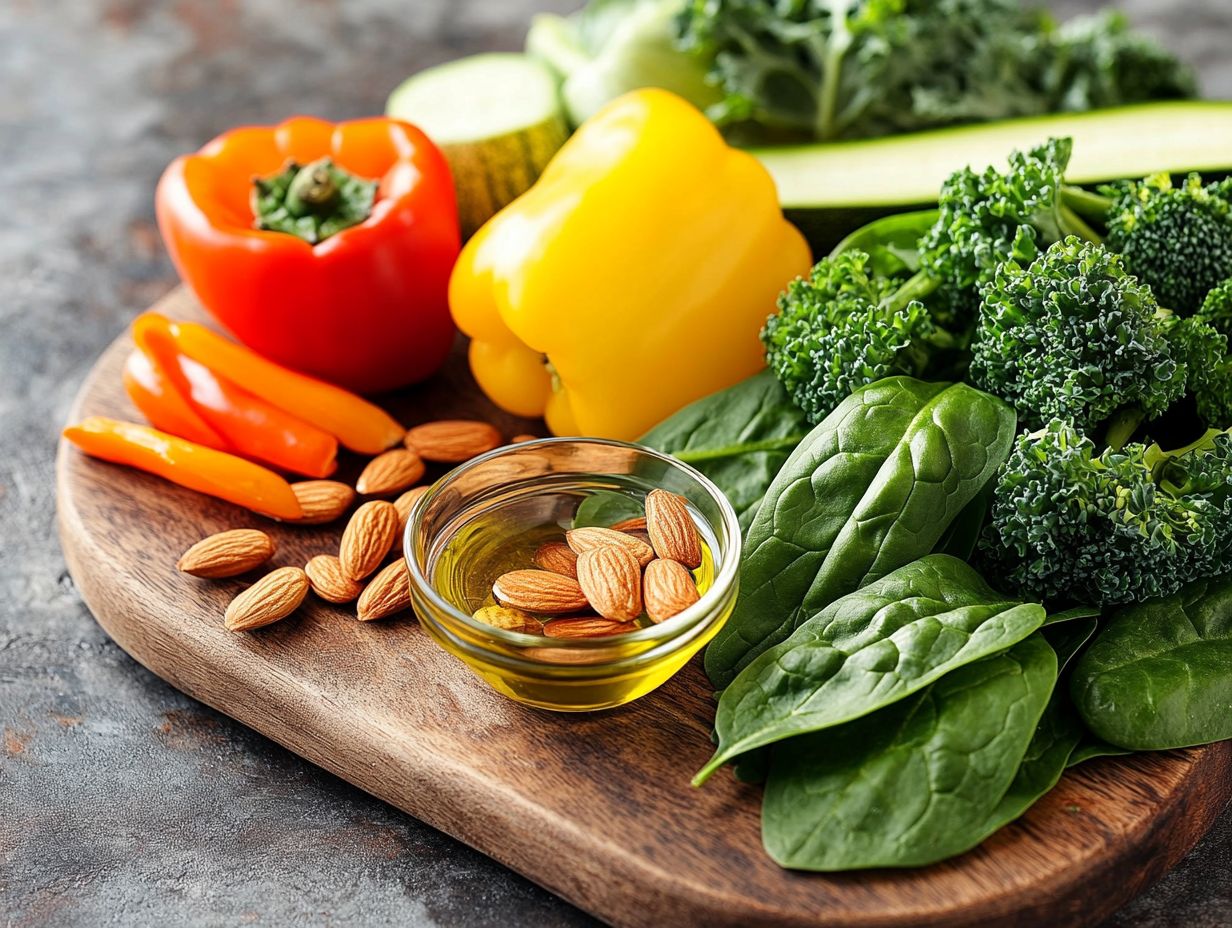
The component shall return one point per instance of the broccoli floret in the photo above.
(1074, 336)
(843, 327)
(1069, 522)
(1216, 309)
(987, 217)
(1177, 239)
(1203, 350)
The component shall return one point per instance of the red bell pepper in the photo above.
(339, 268)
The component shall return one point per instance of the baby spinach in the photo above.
(1056, 737)
(914, 783)
(738, 437)
(1158, 676)
(867, 650)
(873, 487)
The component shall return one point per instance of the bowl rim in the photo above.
(655, 634)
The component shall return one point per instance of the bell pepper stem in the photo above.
(312, 190)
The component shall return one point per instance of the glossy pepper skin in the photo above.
(641, 267)
(366, 308)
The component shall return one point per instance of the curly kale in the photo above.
(1177, 239)
(832, 69)
(1071, 522)
(987, 217)
(843, 327)
(1098, 61)
(1074, 336)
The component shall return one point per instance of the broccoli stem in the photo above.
(1088, 205)
(917, 287)
(1076, 225)
(1121, 427)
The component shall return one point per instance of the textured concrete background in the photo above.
(122, 801)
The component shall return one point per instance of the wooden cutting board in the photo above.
(596, 808)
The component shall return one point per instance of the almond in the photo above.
(519, 439)
(329, 582)
(611, 578)
(668, 589)
(367, 538)
(227, 554)
(586, 627)
(637, 524)
(390, 473)
(389, 592)
(275, 596)
(451, 441)
(582, 540)
(557, 557)
(403, 504)
(510, 619)
(539, 591)
(322, 500)
(672, 531)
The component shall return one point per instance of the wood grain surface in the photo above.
(596, 807)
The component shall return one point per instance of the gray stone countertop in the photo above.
(121, 800)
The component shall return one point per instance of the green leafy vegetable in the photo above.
(873, 487)
(861, 68)
(1157, 676)
(867, 650)
(915, 783)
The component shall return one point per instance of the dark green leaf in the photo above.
(915, 783)
(873, 487)
(1159, 675)
(867, 650)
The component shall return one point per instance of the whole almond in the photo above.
(672, 531)
(557, 557)
(611, 578)
(389, 592)
(322, 500)
(367, 538)
(390, 472)
(403, 504)
(519, 439)
(510, 619)
(451, 441)
(636, 524)
(582, 540)
(539, 591)
(586, 627)
(668, 589)
(275, 596)
(227, 554)
(329, 582)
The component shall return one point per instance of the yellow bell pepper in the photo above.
(632, 278)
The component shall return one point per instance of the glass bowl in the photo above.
(488, 515)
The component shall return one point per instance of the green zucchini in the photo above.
(498, 119)
(827, 189)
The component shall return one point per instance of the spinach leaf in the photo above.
(738, 437)
(891, 242)
(1074, 612)
(914, 783)
(1056, 737)
(1091, 748)
(867, 650)
(1159, 675)
(873, 487)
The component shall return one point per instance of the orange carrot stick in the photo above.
(186, 463)
(161, 402)
(356, 423)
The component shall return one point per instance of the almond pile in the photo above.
(358, 571)
(600, 581)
